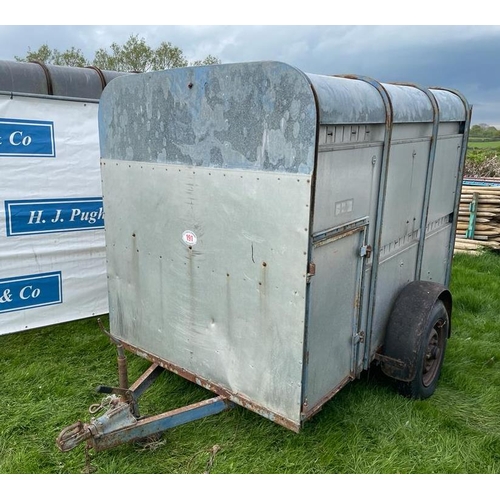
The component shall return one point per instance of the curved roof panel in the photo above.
(49, 79)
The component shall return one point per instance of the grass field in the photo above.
(484, 145)
(48, 376)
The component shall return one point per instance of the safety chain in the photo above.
(89, 468)
(106, 403)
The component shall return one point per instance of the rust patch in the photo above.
(239, 399)
(307, 413)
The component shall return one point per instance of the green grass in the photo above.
(48, 376)
(484, 145)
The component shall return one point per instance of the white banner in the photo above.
(52, 249)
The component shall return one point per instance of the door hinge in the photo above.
(358, 337)
(311, 271)
(366, 251)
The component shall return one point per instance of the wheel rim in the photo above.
(433, 354)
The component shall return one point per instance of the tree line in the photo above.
(484, 131)
(135, 55)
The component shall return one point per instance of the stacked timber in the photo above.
(478, 223)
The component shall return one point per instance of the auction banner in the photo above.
(52, 247)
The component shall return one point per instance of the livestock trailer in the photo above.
(270, 234)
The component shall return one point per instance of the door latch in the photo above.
(366, 251)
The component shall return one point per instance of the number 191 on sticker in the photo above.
(189, 238)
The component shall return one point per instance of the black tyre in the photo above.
(429, 358)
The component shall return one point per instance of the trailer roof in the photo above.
(351, 99)
(258, 115)
(48, 79)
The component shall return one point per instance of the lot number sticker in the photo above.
(189, 238)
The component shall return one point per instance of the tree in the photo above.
(209, 60)
(485, 131)
(135, 55)
(70, 57)
(168, 56)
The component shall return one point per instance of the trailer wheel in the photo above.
(430, 356)
(416, 336)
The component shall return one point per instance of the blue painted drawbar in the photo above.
(121, 424)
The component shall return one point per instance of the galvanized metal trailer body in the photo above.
(261, 223)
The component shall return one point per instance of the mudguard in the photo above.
(406, 327)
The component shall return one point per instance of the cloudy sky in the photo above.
(463, 57)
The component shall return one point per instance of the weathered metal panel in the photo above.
(68, 81)
(346, 101)
(444, 179)
(409, 104)
(49, 79)
(395, 271)
(411, 132)
(405, 194)
(405, 191)
(349, 136)
(20, 77)
(259, 116)
(451, 107)
(346, 185)
(349, 101)
(227, 306)
(333, 315)
(450, 128)
(401, 223)
(435, 258)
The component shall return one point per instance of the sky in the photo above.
(464, 57)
